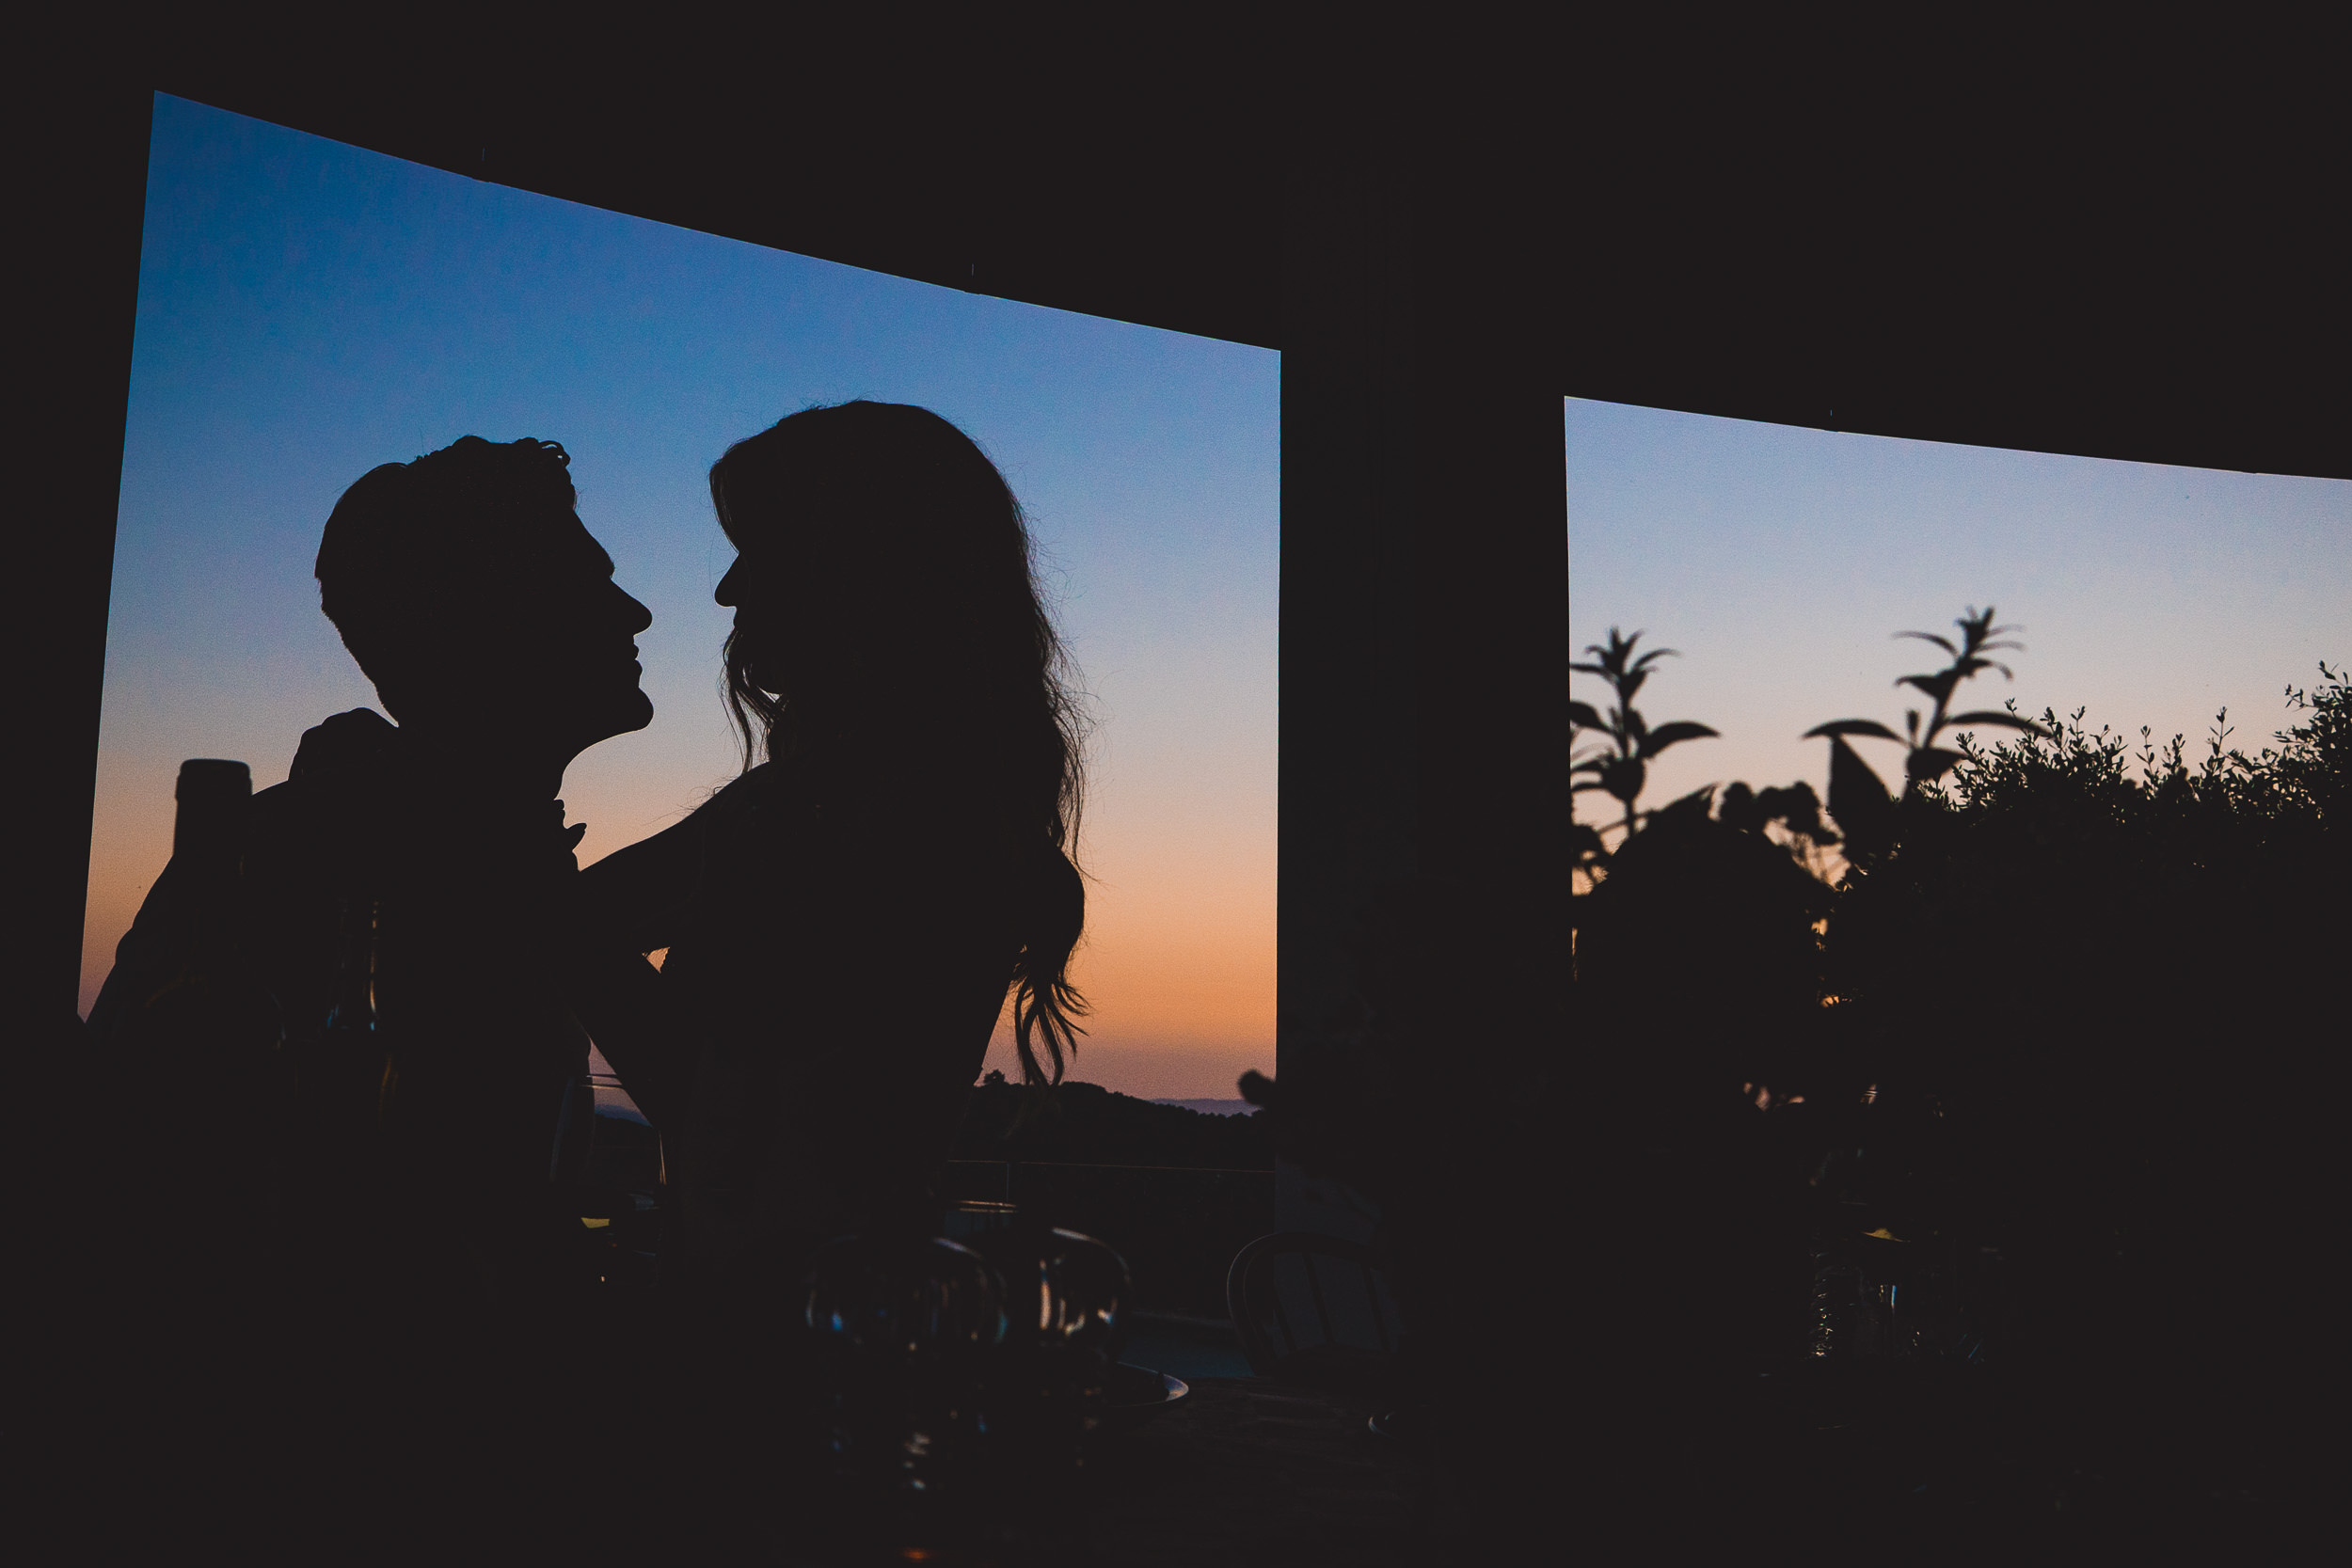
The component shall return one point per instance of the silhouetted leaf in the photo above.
(1583, 716)
(1584, 840)
(1864, 810)
(1851, 726)
(1622, 777)
(1928, 764)
(1943, 643)
(1937, 685)
(1979, 630)
(1664, 735)
(1969, 667)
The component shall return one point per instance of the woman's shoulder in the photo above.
(749, 790)
(762, 802)
(884, 823)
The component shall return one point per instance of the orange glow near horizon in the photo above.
(1178, 963)
(308, 311)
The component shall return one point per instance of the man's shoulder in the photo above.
(339, 771)
(361, 743)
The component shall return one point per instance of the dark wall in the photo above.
(2105, 242)
(2104, 238)
(79, 202)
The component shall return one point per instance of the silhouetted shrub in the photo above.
(2069, 1013)
(2117, 983)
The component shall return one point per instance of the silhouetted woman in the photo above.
(845, 920)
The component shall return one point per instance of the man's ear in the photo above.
(420, 663)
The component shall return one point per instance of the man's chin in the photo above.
(634, 714)
(623, 717)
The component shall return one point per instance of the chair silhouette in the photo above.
(1313, 1309)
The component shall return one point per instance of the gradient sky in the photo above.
(1781, 560)
(308, 311)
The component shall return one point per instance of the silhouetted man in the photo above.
(396, 904)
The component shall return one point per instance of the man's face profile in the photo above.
(531, 643)
(472, 596)
(570, 632)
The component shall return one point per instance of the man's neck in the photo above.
(486, 767)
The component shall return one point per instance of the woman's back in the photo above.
(835, 975)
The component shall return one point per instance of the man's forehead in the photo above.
(575, 550)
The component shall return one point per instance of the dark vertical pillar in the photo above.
(80, 169)
(1423, 1023)
(83, 168)
(1349, 632)
(1425, 640)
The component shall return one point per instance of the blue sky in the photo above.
(308, 311)
(1781, 560)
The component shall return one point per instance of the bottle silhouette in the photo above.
(205, 1042)
(210, 1018)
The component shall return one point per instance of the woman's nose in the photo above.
(724, 592)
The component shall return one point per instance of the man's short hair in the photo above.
(411, 541)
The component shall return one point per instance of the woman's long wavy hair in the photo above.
(914, 621)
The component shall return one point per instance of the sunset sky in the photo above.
(308, 311)
(1781, 562)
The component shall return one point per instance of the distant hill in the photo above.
(1087, 1124)
(1214, 1107)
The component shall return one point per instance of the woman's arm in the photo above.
(638, 896)
(618, 998)
(631, 903)
(625, 905)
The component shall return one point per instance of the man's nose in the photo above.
(636, 615)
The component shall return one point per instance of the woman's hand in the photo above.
(619, 999)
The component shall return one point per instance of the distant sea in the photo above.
(615, 1102)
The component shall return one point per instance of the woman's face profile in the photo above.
(753, 591)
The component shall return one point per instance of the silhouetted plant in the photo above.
(2317, 761)
(1623, 768)
(1795, 807)
(1857, 799)
(2140, 1128)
